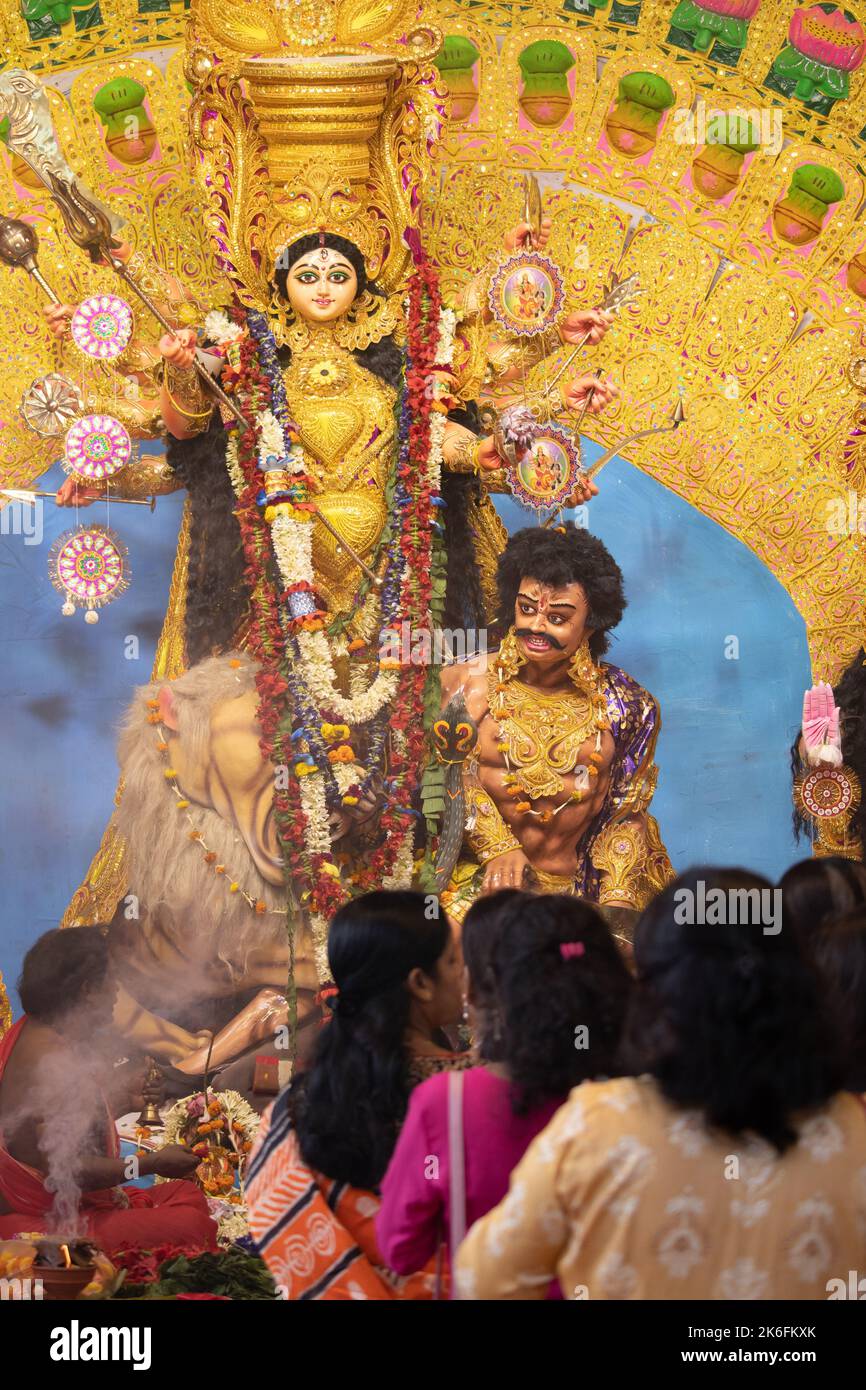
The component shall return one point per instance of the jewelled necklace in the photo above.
(540, 737)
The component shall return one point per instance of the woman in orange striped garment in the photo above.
(324, 1145)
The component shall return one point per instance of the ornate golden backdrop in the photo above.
(752, 282)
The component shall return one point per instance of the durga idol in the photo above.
(354, 501)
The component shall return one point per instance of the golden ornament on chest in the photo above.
(345, 419)
(329, 428)
(358, 518)
(544, 734)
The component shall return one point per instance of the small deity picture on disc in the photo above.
(546, 475)
(526, 294)
(89, 566)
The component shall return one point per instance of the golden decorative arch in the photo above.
(756, 332)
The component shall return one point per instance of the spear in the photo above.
(17, 494)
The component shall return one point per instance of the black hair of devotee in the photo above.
(732, 1021)
(544, 965)
(558, 556)
(217, 593)
(838, 948)
(347, 1107)
(60, 969)
(482, 927)
(816, 889)
(849, 693)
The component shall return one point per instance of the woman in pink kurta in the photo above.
(548, 990)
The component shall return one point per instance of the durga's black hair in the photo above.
(217, 596)
(564, 555)
(217, 593)
(849, 694)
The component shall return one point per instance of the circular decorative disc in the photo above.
(102, 326)
(96, 447)
(88, 565)
(526, 294)
(826, 792)
(546, 475)
(51, 404)
(857, 373)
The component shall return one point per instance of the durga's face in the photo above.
(321, 286)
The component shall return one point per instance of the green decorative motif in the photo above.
(48, 18)
(587, 6)
(456, 60)
(129, 132)
(825, 45)
(726, 21)
(162, 6)
(545, 99)
(716, 169)
(642, 99)
(799, 217)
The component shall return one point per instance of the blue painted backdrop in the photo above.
(724, 791)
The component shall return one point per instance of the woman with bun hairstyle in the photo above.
(548, 992)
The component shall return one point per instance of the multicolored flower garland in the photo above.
(301, 703)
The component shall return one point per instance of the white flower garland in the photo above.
(272, 448)
(293, 547)
(321, 679)
(219, 329)
(292, 542)
(445, 345)
(238, 480)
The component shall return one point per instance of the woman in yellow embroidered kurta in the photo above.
(735, 1168)
(625, 1196)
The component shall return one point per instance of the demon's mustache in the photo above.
(528, 636)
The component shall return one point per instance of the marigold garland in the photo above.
(296, 681)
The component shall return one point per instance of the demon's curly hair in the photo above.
(565, 555)
(849, 694)
(217, 594)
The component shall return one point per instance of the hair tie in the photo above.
(569, 949)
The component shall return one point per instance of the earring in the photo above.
(369, 319)
(510, 658)
(289, 330)
(582, 669)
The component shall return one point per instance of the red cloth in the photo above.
(175, 1212)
